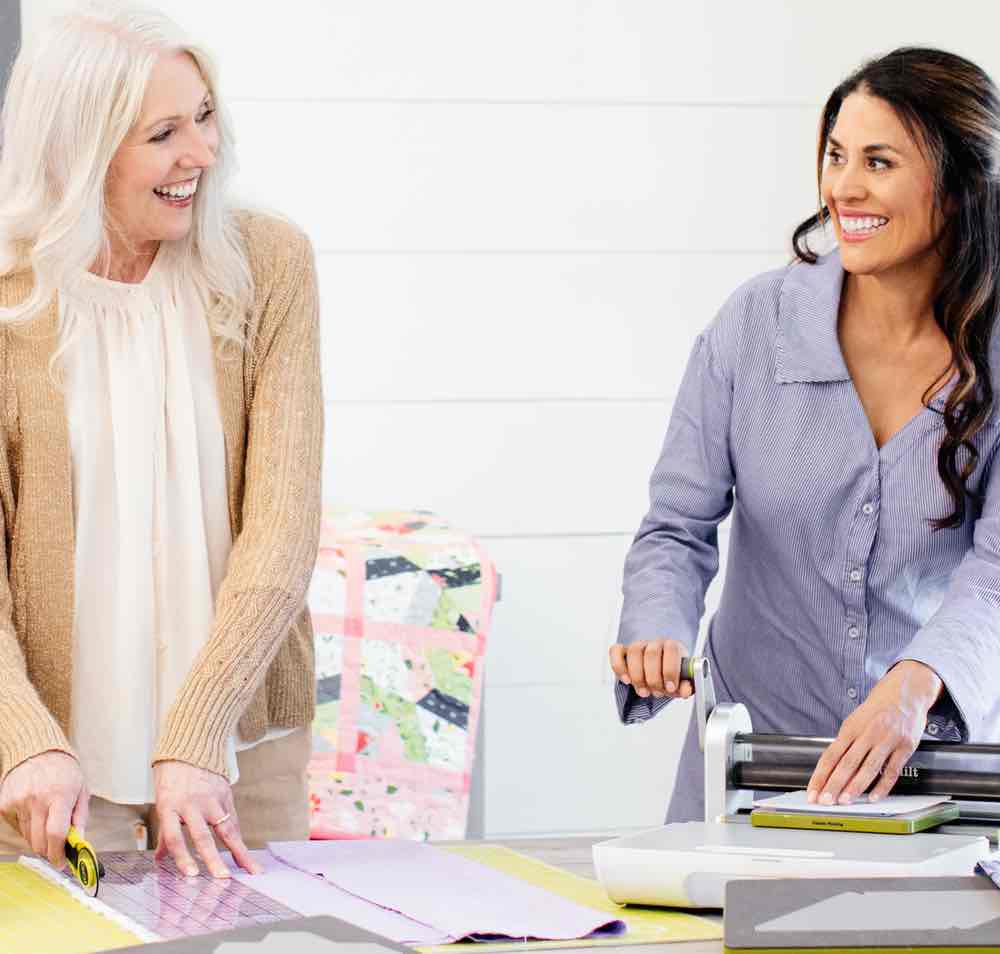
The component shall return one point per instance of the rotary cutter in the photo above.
(83, 862)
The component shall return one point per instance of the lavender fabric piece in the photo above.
(310, 895)
(991, 868)
(459, 896)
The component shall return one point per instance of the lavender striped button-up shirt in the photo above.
(834, 573)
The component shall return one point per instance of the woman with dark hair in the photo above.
(842, 408)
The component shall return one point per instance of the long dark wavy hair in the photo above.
(951, 108)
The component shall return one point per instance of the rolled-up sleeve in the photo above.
(961, 641)
(675, 553)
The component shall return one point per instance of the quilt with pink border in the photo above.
(401, 605)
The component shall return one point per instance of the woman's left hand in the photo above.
(203, 802)
(878, 737)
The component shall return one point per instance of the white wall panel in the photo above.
(531, 178)
(499, 469)
(559, 609)
(561, 605)
(518, 327)
(558, 760)
(775, 51)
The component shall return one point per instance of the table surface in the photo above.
(573, 854)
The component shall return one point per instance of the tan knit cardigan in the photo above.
(256, 669)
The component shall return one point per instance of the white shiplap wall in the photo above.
(524, 211)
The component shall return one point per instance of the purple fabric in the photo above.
(991, 868)
(311, 895)
(461, 897)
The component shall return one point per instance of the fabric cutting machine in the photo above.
(688, 864)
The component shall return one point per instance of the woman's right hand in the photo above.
(42, 797)
(652, 668)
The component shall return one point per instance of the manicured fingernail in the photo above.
(826, 798)
(811, 795)
(625, 680)
(190, 871)
(873, 797)
(642, 693)
(670, 687)
(845, 799)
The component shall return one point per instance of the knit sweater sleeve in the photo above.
(27, 728)
(273, 555)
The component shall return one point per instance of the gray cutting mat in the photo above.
(818, 913)
(318, 935)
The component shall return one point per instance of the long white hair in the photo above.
(74, 94)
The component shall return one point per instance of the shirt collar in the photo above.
(807, 347)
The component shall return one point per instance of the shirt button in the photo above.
(855, 575)
(852, 692)
(932, 728)
(868, 508)
(854, 632)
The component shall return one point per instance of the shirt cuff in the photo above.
(30, 737)
(945, 722)
(634, 708)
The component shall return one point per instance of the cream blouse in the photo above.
(151, 513)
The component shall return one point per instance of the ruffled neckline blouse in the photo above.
(150, 507)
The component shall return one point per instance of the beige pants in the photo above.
(271, 796)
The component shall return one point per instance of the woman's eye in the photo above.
(874, 163)
(165, 135)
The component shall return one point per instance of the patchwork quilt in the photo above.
(401, 604)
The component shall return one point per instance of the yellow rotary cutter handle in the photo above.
(83, 861)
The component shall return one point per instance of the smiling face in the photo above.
(879, 188)
(153, 178)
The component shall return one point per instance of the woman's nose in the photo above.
(200, 153)
(849, 184)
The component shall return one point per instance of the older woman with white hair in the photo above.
(160, 452)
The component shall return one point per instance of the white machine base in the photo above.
(687, 865)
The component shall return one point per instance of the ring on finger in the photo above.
(219, 821)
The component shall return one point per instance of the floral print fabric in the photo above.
(401, 606)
